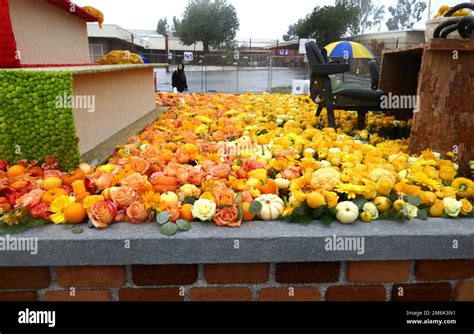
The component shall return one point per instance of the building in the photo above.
(379, 41)
(145, 42)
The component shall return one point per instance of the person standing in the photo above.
(179, 79)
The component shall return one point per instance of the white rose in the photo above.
(452, 207)
(370, 207)
(204, 209)
(410, 211)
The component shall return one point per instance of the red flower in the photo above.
(41, 211)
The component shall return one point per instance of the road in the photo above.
(255, 81)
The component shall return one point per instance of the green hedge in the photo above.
(31, 124)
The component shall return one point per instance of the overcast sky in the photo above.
(258, 18)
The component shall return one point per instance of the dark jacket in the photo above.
(179, 81)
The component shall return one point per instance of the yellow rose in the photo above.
(466, 207)
(204, 209)
(452, 207)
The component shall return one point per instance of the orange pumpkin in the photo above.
(269, 188)
(164, 184)
(36, 171)
(50, 195)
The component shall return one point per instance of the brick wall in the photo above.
(332, 281)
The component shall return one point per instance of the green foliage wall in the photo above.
(31, 124)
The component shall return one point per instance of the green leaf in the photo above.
(255, 208)
(169, 229)
(241, 213)
(239, 160)
(163, 217)
(360, 201)
(416, 201)
(183, 225)
(423, 214)
(77, 230)
(68, 227)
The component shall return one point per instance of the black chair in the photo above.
(354, 99)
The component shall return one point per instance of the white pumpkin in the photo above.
(347, 212)
(272, 207)
(282, 184)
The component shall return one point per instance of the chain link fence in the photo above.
(236, 73)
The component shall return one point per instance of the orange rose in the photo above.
(123, 196)
(29, 200)
(134, 181)
(291, 173)
(138, 213)
(103, 214)
(104, 181)
(139, 165)
(195, 176)
(221, 171)
(174, 210)
(182, 156)
(151, 153)
(228, 217)
(224, 196)
(218, 135)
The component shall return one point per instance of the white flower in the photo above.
(410, 211)
(452, 207)
(325, 164)
(204, 209)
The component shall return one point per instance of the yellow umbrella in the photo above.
(346, 49)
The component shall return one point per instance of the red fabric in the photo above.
(54, 65)
(8, 56)
(73, 9)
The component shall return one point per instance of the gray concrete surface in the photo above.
(254, 242)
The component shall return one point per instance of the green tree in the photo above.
(293, 31)
(211, 22)
(330, 23)
(371, 15)
(162, 26)
(405, 14)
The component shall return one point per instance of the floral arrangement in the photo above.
(228, 159)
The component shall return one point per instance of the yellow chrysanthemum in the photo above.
(57, 208)
(151, 200)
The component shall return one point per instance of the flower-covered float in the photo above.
(230, 159)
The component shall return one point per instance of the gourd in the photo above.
(347, 212)
(272, 207)
(164, 184)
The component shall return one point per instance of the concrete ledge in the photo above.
(254, 242)
(93, 69)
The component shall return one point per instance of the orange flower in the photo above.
(137, 213)
(174, 210)
(134, 181)
(218, 135)
(291, 173)
(182, 156)
(29, 200)
(221, 171)
(103, 214)
(139, 165)
(151, 153)
(228, 217)
(104, 180)
(224, 196)
(124, 196)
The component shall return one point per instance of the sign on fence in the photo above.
(303, 42)
(188, 56)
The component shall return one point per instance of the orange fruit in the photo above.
(51, 183)
(186, 212)
(75, 213)
(16, 170)
(429, 198)
(248, 216)
(50, 195)
(315, 200)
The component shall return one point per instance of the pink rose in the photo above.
(138, 213)
(103, 214)
(124, 196)
(221, 171)
(30, 199)
(291, 173)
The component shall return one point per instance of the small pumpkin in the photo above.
(272, 207)
(164, 184)
(347, 212)
(269, 187)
